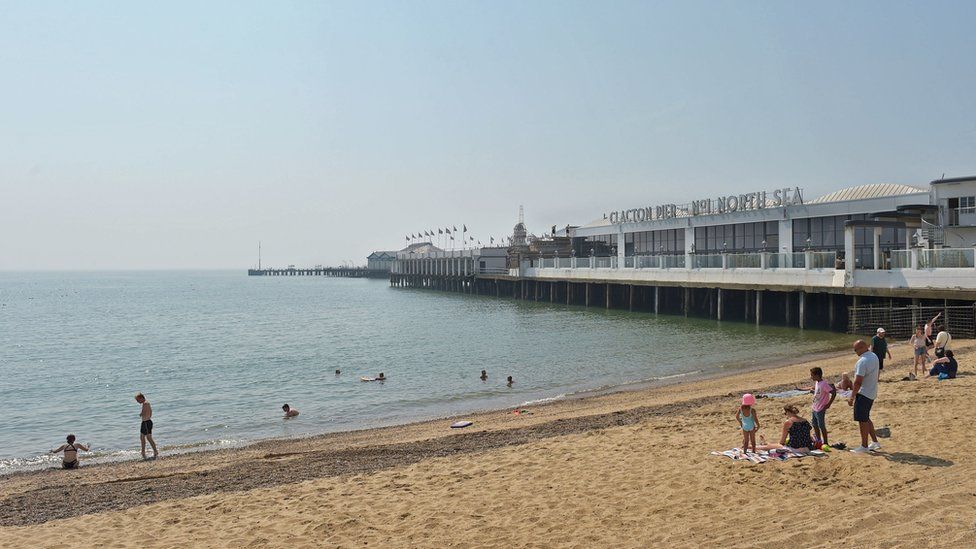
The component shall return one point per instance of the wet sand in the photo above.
(624, 469)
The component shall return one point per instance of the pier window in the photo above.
(961, 211)
(821, 233)
(827, 234)
(737, 238)
(666, 242)
(602, 245)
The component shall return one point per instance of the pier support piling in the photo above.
(758, 306)
(831, 314)
(803, 306)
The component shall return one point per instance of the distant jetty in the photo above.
(335, 272)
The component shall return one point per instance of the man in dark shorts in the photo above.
(863, 395)
(146, 427)
(879, 346)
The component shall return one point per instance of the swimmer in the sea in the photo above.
(70, 449)
(289, 411)
(510, 381)
(484, 375)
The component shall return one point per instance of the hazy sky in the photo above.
(177, 135)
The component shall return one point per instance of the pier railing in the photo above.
(493, 271)
(944, 258)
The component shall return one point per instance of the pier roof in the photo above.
(864, 192)
(421, 248)
(382, 255)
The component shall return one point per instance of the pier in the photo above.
(335, 272)
(813, 291)
(853, 260)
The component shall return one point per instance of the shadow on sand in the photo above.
(917, 459)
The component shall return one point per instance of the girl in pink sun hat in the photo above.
(748, 421)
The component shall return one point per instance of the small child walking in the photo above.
(748, 421)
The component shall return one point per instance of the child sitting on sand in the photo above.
(845, 382)
(748, 422)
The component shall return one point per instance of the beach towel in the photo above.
(737, 455)
(762, 456)
(784, 394)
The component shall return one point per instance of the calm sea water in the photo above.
(218, 353)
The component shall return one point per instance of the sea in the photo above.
(217, 353)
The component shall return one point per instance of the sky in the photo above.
(178, 135)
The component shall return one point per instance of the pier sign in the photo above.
(709, 206)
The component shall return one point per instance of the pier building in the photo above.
(841, 261)
(381, 261)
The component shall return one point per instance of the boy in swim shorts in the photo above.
(146, 427)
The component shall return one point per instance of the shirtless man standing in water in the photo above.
(145, 429)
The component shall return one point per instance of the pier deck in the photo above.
(337, 272)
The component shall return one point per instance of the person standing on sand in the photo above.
(879, 346)
(863, 395)
(919, 345)
(824, 393)
(748, 422)
(146, 427)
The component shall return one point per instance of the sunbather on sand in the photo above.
(845, 383)
(796, 432)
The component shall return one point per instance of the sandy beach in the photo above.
(629, 469)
